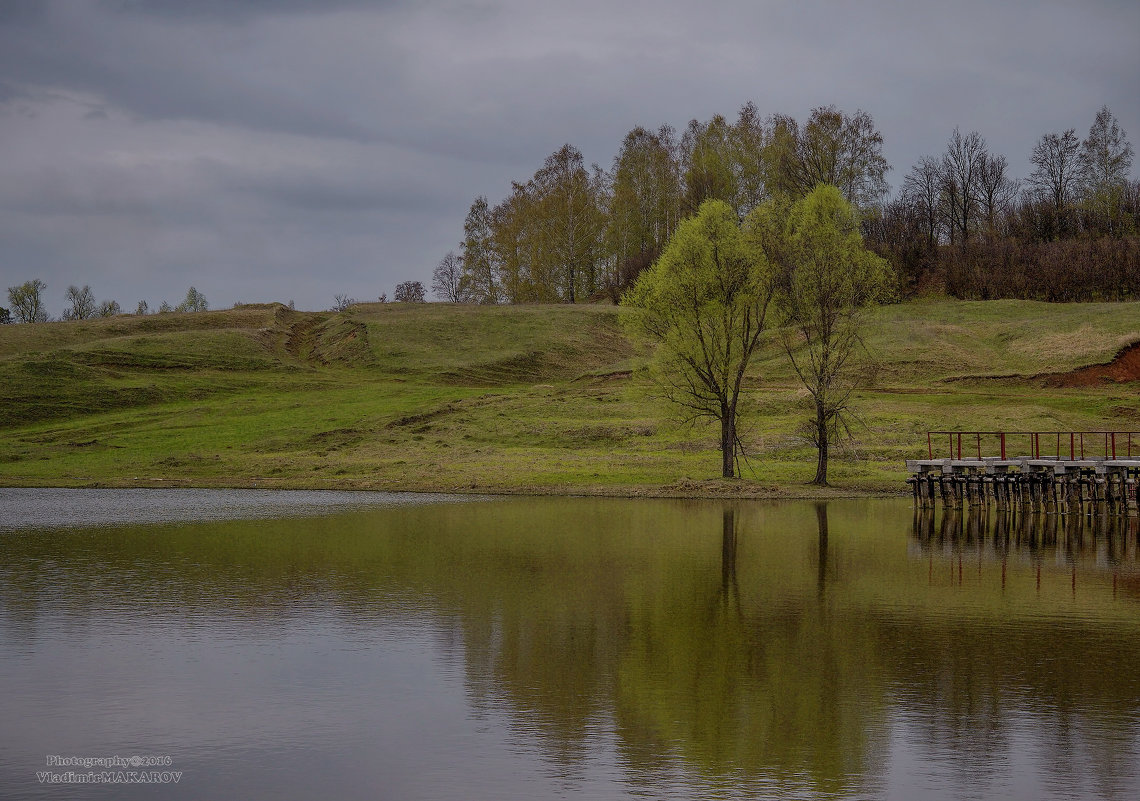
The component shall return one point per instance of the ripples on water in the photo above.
(299, 645)
(88, 508)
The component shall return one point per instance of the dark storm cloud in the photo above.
(22, 12)
(159, 72)
(303, 148)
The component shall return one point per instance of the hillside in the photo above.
(513, 398)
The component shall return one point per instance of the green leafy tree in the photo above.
(479, 281)
(644, 204)
(517, 249)
(5, 316)
(750, 137)
(545, 242)
(727, 161)
(142, 309)
(195, 302)
(27, 301)
(571, 222)
(705, 302)
(708, 161)
(1106, 155)
(1106, 158)
(827, 278)
(831, 148)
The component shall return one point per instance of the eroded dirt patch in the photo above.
(1124, 367)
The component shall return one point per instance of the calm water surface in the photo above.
(343, 645)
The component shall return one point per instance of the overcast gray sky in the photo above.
(298, 149)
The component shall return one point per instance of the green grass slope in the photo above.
(513, 398)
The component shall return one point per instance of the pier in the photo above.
(1062, 472)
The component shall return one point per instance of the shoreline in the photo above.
(710, 489)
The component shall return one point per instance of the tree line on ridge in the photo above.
(959, 223)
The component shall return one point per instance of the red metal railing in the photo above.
(1081, 444)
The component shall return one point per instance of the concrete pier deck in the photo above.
(1040, 483)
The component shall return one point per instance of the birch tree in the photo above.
(832, 147)
(480, 281)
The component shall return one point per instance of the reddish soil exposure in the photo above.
(1125, 366)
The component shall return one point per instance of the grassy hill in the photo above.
(518, 398)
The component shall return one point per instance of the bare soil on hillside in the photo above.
(1124, 367)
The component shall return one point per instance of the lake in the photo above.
(299, 645)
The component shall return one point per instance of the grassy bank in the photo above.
(512, 399)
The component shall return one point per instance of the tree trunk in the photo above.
(821, 446)
(728, 442)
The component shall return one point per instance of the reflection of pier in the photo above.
(1066, 473)
(1098, 544)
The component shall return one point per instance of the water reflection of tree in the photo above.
(695, 629)
(770, 689)
(821, 568)
(729, 588)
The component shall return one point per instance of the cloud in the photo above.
(310, 147)
(164, 72)
(236, 10)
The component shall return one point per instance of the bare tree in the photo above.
(410, 292)
(1056, 174)
(28, 302)
(922, 192)
(961, 173)
(343, 302)
(142, 309)
(996, 190)
(447, 279)
(82, 303)
(109, 308)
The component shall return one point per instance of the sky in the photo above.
(277, 150)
